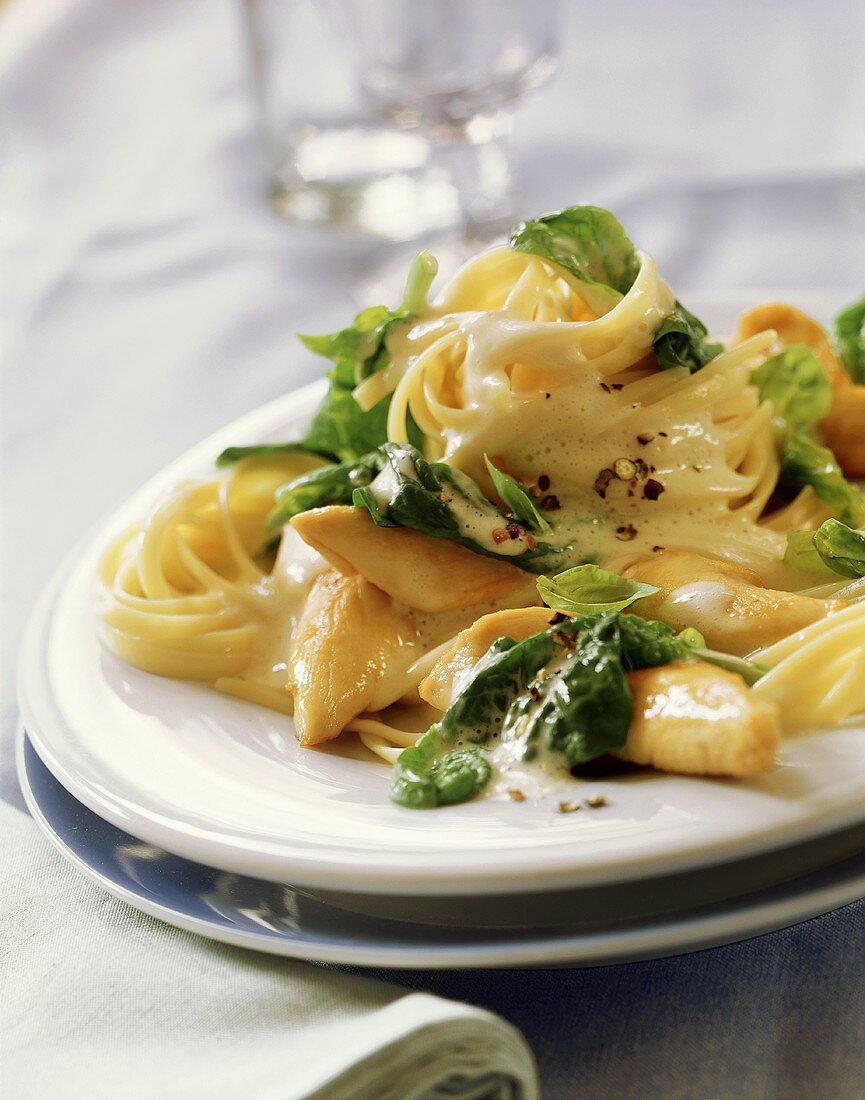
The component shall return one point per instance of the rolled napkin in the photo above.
(100, 1000)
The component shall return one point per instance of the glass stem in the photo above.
(476, 157)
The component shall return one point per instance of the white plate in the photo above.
(280, 920)
(224, 783)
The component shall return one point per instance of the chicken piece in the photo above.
(350, 647)
(700, 720)
(844, 426)
(440, 686)
(793, 327)
(423, 572)
(727, 603)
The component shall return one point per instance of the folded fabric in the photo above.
(102, 1001)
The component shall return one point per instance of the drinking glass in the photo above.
(392, 116)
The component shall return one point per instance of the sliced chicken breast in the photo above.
(424, 573)
(727, 603)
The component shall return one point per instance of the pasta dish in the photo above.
(541, 523)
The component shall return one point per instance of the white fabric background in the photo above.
(148, 295)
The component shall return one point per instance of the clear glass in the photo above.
(392, 116)
(454, 69)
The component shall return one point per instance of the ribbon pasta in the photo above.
(508, 361)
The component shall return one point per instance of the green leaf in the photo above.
(692, 637)
(423, 270)
(647, 643)
(796, 384)
(801, 555)
(586, 588)
(680, 341)
(517, 499)
(806, 462)
(234, 454)
(411, 782)
(340, 429)
(443, 502)
(841, 548)
(563, 690)
(582, 709)
(424, 777)
(850, 339)
(326, 485)
(460, 775)
(750, 671)
(589, 243)
(502, 675)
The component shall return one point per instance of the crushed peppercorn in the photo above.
(550, 503)
(652, 489)
(624, 469)
(627, 532)
(602, 481)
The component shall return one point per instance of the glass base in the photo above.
(374, 180)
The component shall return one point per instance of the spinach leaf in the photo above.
(425, 777)
(801, 555)
(680, 341)
(583, 709)
(507, 671)
(501, 675)
(587, 588)
(439, 500)
(796, 384)
(234, 454)
(326, 485)
(850, 339)
(591, 244)
(517, 499)
(341, 429)
(563, 690)
(841, 548)
(647, 643)
(806, 462)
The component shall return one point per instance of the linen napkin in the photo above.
(99, 1000)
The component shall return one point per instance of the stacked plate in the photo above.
(203, 810)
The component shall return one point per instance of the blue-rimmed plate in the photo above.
(264, 916)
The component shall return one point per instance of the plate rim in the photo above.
(661, 939)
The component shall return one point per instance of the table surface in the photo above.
(148, 295)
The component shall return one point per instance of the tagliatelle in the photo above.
(508, 365)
